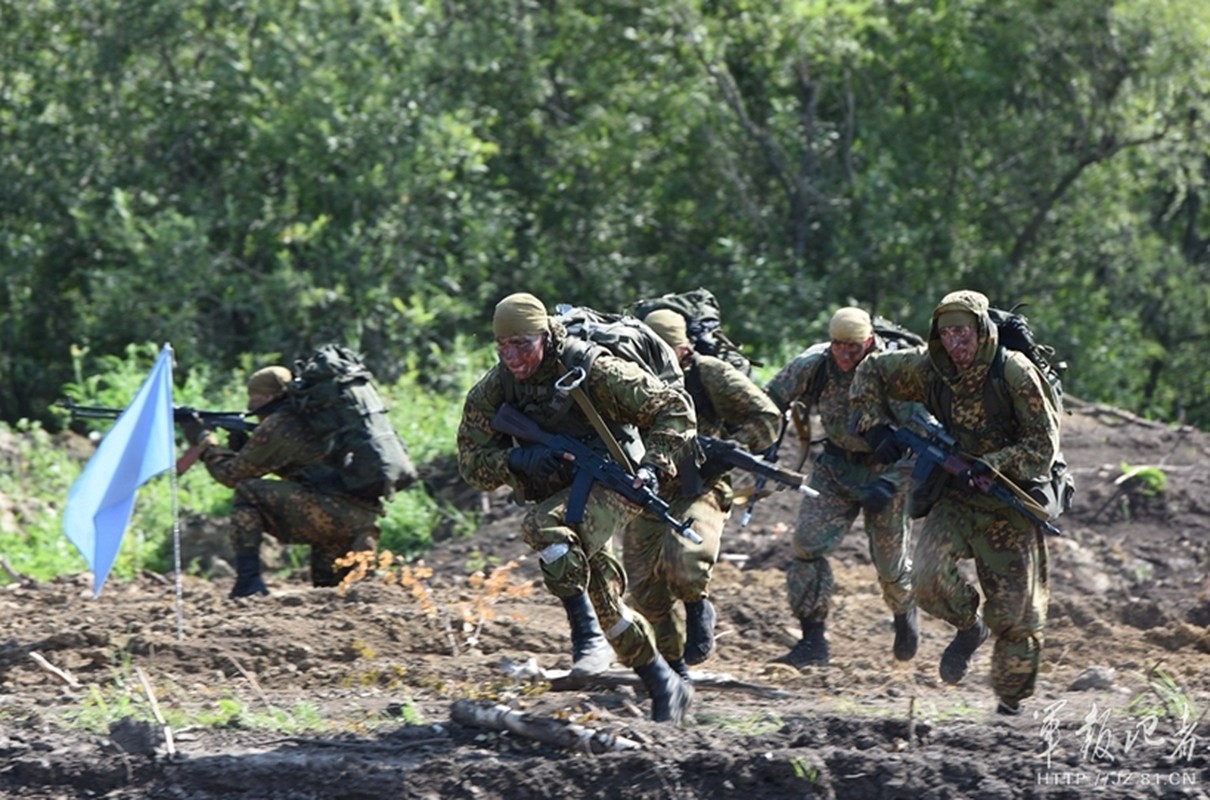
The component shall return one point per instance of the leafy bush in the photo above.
(42, 469)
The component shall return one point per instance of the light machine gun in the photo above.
(937, 449)
(589, 468)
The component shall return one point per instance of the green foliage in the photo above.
(43, 471)
(1153, 480)
(260, 178)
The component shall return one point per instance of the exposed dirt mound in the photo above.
(1124, 685)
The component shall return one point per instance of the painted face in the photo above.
(849, 354)
(522, 354)
(960, 342)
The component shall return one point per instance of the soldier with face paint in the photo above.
(577, 560)
(852, 478)
(951, 379)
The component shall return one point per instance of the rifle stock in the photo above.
(937, 449)
(590, 468)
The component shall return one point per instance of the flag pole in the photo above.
(176, 531)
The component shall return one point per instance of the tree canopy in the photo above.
(251, 179)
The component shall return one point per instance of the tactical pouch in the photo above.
(1057, 494)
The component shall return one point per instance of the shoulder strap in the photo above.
(584, 357)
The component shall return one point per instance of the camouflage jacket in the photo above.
(282, 444)
(734, 407)
(794, 383)
(623, 394)
(1023, 451)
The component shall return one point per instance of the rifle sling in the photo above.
(601, 428)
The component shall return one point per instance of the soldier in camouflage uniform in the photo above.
(576, 559)
(662, 566)
(951, 379)
(851, 478)
(294, 508)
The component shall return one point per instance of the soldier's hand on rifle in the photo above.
(979, 475)
(537, 461)
(237, 439)
(881, 439)
(877, 495)
(647, 476)
(194, 429)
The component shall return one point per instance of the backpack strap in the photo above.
(996, 398)
(586, 355)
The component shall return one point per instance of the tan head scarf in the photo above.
(669, 325)
(519, 314)
(270, 380)
(850, 324)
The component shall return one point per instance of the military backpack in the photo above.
(703, 324)
(333, 391)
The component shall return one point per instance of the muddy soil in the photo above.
(370, 693)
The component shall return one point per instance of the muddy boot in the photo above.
(956, 659)
(699, 631)
(812, 648)
(670, 695)
(591, 653)
(907, 635)
(247, 576)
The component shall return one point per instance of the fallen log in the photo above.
(499, 717)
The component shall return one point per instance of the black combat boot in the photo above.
(670, 695)
(812, 648)
(907, 635)
(247, 576)
(956, 659)
(591, 653)
(699, 631)
(680, 668)
(323, 568)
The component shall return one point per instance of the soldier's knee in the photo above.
(563, 568)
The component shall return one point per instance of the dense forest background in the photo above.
(250, 179)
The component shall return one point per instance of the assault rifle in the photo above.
(236, 421)
(937, 449)
(590, 468)
(732, 455)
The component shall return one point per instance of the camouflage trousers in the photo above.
(1011, 563)
(822, 524)
(665, 567)
(578, 557)
(332, 524)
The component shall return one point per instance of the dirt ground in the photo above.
(310, 693)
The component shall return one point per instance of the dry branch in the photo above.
(561, 680)
(169, 746)
(498, 717)
(61, 674)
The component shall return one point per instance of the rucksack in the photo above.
(621, 335)
(703, 324)
(1057, 494)
(333, 391)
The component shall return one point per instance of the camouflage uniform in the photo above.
(298, 508)
(664, 567)
(840, 474)
(1009, 550)
(573, 558)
